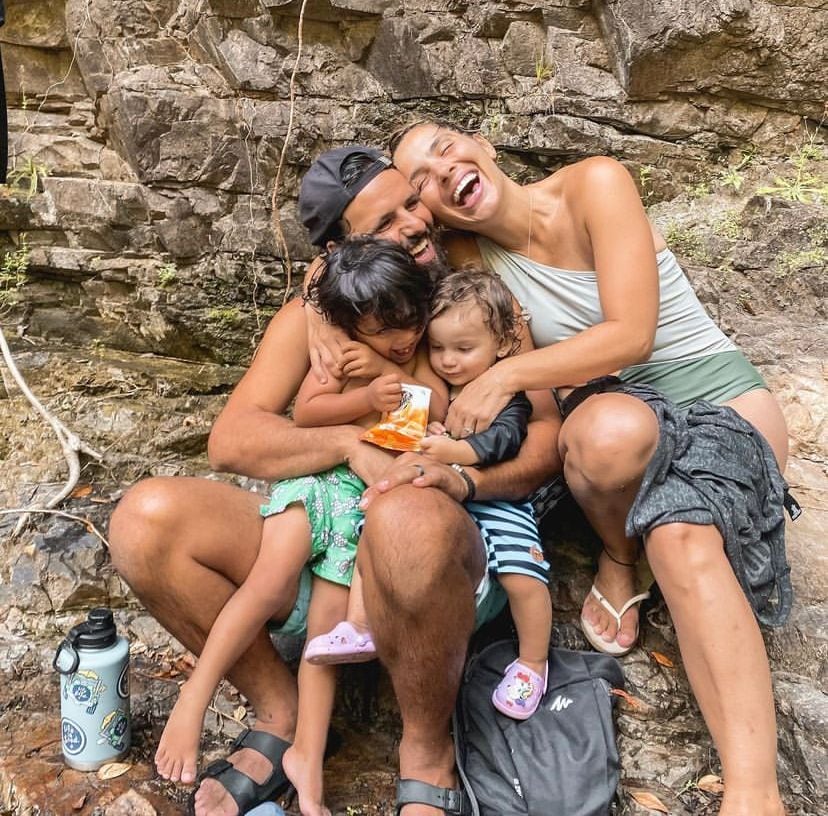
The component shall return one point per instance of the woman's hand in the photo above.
(385, 392)
(478, 404)
(325, 344)
(360, 360)
(420, 471)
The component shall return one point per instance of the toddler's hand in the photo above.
(385, 392)
(436, 429)
(448, 451)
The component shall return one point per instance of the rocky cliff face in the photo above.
(140, 268)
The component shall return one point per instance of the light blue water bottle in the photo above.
(93, 662)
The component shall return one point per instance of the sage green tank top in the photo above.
(692, 358)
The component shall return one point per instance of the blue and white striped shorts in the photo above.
(510, 534)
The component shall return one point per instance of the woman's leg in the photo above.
(267, 590)
(724, 656)
(605, 445)
(303, 760)
(760, 408)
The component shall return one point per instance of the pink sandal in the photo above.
(343, 644)
(519, 693)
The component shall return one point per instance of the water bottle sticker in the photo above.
(123, 683)
(85, 688)
(74, 740)
(113, 729)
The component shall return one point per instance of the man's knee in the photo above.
(142, 522)
(608, 441)
(420, 539)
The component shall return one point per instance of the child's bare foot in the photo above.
(177, 754)
(306, 776)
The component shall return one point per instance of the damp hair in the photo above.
(370, 277)
(471, 285)
(399, 133)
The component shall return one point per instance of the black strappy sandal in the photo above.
(452, 801)
(247, 793)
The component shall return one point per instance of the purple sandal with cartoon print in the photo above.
(343, 644)
(519, 693)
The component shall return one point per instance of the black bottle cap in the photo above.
(96, 632)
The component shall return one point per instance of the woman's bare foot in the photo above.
(306, 775)
(617, 584)
(211, 798)
(177, 754)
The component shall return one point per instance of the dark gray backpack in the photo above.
(562, 761)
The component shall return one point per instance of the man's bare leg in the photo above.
(725, 659)
(184, 546)
(606, 444)
(421, 558)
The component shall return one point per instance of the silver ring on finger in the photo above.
(420, 470)
(467, 431)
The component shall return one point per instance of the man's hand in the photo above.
(360, 360)
(325, 344)
(385, 392)
(368, 461)
(420, 471)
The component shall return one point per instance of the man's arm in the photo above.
(251, 437)
(536, 463)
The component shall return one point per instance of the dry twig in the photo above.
(70, 443)
(277, 184)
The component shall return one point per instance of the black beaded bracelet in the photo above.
(470, 485)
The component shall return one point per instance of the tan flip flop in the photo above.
(598, 643)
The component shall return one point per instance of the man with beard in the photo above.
(185, 544)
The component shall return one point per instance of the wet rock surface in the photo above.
(140, 268)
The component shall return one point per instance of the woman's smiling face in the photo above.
(454, 174)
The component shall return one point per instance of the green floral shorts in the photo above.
(331, 500)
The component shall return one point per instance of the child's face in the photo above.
(396, 345)
(461, 347)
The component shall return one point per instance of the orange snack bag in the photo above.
(404, 427)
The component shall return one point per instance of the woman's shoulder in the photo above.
(595, 169)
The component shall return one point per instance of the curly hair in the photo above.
(486, 291)
(366, 276)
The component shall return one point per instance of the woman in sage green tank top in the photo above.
(605, 295)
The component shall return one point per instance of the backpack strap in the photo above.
(451, 800)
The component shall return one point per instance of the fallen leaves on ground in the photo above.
(80, 491)
(239, 713)
(662, 660)
(711, 783)
(631, 701)
(112, 770)
(649, 800)
(79, 802)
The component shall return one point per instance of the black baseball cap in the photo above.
(323, 196)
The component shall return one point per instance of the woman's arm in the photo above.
(604, 204)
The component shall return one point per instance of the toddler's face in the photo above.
(397, 345)
(461, 347)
